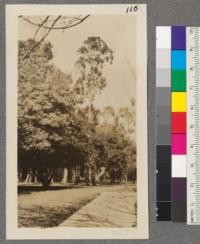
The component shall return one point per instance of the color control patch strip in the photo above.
(178, 123)
(171, 123)
(163, 122)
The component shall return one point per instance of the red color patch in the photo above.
(178, 122)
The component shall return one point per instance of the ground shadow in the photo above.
(44, 217)
(28, 189)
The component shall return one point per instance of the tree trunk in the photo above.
(101, 174)
(126, 177)
(20, 175)
(45, 176)
(28, 177)
(65, 176)
(36, 176)
(73, 176)
(90, 174)
(36, 179)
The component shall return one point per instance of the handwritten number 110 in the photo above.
(131, 9)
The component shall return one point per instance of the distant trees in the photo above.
(119, 143)
(58, 124)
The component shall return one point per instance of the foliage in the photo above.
(54, 125)
(94, 54)
(113, 150)
(48, 121)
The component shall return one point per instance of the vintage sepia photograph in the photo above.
(79, 143)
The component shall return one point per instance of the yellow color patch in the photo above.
(179, 102)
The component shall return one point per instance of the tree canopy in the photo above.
(47, 116)
(56, 114)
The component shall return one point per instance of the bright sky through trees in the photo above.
(118, 31)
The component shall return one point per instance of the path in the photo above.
(110, 209)
(50, 208)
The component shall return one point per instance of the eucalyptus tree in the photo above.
(94, 55)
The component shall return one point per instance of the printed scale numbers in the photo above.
(193, 126)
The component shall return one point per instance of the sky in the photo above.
(119, 32)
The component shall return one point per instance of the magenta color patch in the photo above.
(178, 143)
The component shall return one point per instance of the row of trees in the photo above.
(58, 124)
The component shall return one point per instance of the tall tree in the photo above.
(93, 56)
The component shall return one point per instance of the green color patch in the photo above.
(178, 80)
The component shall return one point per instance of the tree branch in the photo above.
(39, 27)
(42, 39)
(43, 25)
(80, 20)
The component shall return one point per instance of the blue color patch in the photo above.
(178, 59)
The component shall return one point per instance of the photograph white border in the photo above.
(12, 230)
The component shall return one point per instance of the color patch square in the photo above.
(178, 120)
(178, 79)
(163, 115)
(178, 101)
(178, 59)
(163, 154)
(163, 192)
(163, 95)
(178, 189)
(164, 211)
(179, 211)
(178, 37)
(163, 59)
(163, 37)
(163, 77)
(164, 173)
(163, 134)
(178, 144)
(178, 166)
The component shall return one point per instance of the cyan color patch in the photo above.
(178, 59)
